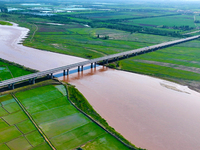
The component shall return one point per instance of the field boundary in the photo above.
(35, 124)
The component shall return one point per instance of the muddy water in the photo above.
(151, 113)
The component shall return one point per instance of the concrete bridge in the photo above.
(104, 60)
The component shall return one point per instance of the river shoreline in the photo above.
(151, 113)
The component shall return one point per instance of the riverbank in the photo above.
(145, 110)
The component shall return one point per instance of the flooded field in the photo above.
(151, 113)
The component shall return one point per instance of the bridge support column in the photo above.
(33, 80)
(126, 56)
(51, 75)
(107, 61)
(48, 76)
(81, 68)
(95, 64)
(8, 86)
(13, 86)
(91, 65)
(63, 72)
(117, 58)
(67, 71)
(78, 68)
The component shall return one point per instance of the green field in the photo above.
(64, 125)
(179, 20)
(17, 132)
(179, 63)
(9, 70)
(5, 23)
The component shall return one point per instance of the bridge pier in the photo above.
(63, 72)
(81, 68)
(91, 65)
(33, 80)
(11, 86)
(95, 64)
(106, 61)
(51, 75)
(78, 68)
(67, 71)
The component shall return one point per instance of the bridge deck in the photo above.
(51, 71)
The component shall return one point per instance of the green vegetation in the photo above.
(11, 70)
(5, 23)
(15, 128)
(179, 64)
(62, 123)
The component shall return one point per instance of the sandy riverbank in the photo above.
(151, 113)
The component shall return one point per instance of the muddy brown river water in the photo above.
(151, 113)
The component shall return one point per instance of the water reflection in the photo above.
(87, 72)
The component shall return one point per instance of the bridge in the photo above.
(93, 62)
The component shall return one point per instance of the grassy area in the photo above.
(5, 23)
(10, 70)
(179, 63)
(16, 131)
(63, 124)
(179, 20)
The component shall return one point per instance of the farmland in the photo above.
(16, 129)
(178, 63)
(64, 125)
(10, 70)
(92, 31)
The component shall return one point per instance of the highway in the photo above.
(93, 62)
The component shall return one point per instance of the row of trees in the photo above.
(184, 28)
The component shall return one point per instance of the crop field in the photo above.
(64, 125)
(179, 20)
(8, 71)
(179, 63)
(16, 131)
(81, 41)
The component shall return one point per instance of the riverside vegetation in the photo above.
(97, 32)
(103, 30)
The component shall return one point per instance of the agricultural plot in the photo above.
(17, 132)
(78, 41)
(8, 70)
(178, 63)
(64, 125)
(179, 20)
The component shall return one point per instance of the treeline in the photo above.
(133, 29)
(184, 28)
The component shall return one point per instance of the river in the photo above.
(151, 113)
